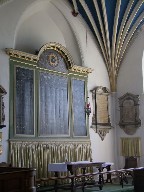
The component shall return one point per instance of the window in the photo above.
(47, 98)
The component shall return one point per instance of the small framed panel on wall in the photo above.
(129, 113)
(100, 119)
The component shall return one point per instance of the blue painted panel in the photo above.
(110, 9)
(137, 15)
(123, 7)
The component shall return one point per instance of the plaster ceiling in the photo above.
(113, 23)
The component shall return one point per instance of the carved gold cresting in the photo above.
(61, 50)
(80, 69)
(22, 55)
(54, 46)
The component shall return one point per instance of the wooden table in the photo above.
(72, 167)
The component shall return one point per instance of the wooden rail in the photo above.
(44, 183)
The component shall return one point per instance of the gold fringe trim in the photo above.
(39, 154)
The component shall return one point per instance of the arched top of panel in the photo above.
(53, 53)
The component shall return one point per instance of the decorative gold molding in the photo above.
(24, 62)
(80, 69)
(54, 46)
(61, 50)
(22, 55)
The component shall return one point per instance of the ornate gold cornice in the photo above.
(53, 46)
(80, 69)
(22, 55)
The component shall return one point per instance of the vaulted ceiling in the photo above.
(113, 23)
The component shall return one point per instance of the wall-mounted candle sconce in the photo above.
(101, 119)
(88, 107)
(2, 115)
(0, 136)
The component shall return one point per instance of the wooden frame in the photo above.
(100, 120)
(129, 113)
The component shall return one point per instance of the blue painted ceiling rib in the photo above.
(113, 23)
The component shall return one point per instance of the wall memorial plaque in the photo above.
(129, 113)
(100, 120)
